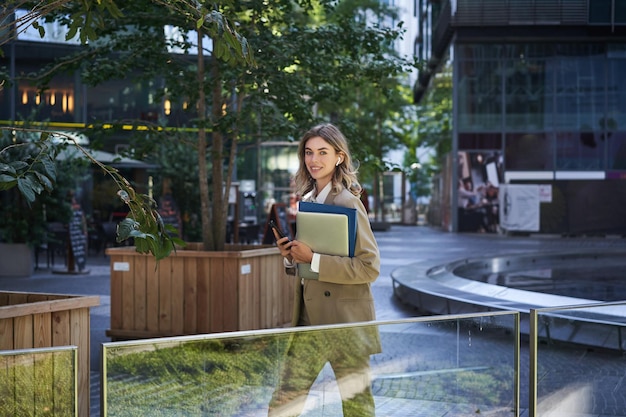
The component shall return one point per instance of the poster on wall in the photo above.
(479, 178)
(519, 207)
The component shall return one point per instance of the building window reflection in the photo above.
(557, 105)
(55, 104)
(528, 152)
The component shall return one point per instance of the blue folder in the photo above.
(329, 208)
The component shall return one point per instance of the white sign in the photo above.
(519, 207)
(121, 266)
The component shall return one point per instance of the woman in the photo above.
(340, 294)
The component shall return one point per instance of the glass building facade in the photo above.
(539, 100)
(548, 106)
(549, 114)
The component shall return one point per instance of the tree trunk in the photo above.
(220, 190)
(205, 213)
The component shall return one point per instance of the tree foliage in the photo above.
(83, 19)
(432, 137)
(288, 65)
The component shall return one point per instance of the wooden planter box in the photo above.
(198, 292)
(36, 320)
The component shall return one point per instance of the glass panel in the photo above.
(580, 90)
(532, 151)
(279, 162)
(480, 175)
(620, 12)
(600, 11)
(38, 382)
(580, 360)
(528, 104)
(470, 141)
(435, 367)
(59, 103)
(617, 151)
(580, 151)
(123, 99)
(615, 124)
(479, 90)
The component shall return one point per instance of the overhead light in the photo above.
(167, 107)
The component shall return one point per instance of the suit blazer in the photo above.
(342, 293)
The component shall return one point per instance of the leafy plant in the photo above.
(29, 166)
(27, 178)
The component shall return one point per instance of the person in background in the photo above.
(470, 212)
(340, 294)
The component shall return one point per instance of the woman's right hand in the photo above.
(284, 246)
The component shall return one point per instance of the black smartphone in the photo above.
(274, 226)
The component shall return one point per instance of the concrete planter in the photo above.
(198, 292)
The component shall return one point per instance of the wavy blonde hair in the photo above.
(345, 175)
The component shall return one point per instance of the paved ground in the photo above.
(399, 246)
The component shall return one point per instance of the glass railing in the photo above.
(39, 382)
(577, 361)
(431, 366)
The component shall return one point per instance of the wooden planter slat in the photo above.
(34, 320)
(196, 292)
(203, 306)
(43, 332)
(178, 296)
(6, 329)
(190, 294)
(146, 282)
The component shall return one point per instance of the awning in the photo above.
(107, 158)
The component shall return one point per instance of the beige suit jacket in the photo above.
(342, 294)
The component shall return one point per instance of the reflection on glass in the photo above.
(38, 382)
(559, 105)
(347, 350)
(528, 152)
(452, 367)
(580, 360)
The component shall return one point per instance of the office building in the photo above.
(539, 110)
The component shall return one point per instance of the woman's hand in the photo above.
(284, 246)
(301, 253)
(294, 250)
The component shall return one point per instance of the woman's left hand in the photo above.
(301, 253)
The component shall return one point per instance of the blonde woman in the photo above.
(340, 294)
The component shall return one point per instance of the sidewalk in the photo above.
(399, 246)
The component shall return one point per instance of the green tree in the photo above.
(374, 105)
(89, 21)
(308, 55)
(82, 22)
(432, 139)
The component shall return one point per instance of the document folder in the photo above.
(326, 230)
(350, 213)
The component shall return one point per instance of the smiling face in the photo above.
(320, 159)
